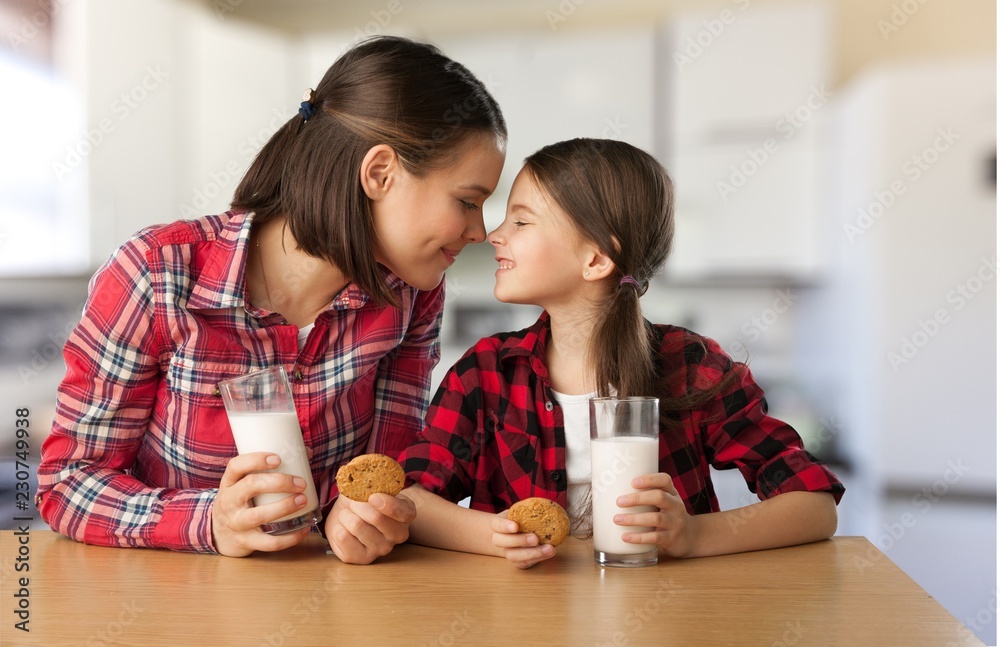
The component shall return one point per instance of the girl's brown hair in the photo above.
(620, 198)
(385, 90)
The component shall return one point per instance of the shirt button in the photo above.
(298, 375)
(554, 475)
(216, 392)
(548, 406)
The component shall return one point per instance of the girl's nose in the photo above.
(494, 237)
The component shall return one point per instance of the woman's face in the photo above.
(423, 223)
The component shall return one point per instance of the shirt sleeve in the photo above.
(103, 409)
(402, 387)
(738, 432)
(445, 456)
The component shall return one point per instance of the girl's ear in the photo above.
(378, 169)
(597, 265)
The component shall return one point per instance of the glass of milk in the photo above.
(262, 416)
(624, 444)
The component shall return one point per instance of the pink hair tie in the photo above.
(631, 281)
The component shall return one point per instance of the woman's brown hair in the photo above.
(620, 198)
(384, 90)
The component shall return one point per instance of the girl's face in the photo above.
(542, 257)
(422, 223)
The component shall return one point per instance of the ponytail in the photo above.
(621, 351)
(620, 198)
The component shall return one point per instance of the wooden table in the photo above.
(837, 592)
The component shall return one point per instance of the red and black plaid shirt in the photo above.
(495, 433)
(141, 438)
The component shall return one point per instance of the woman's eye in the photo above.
(471, 206)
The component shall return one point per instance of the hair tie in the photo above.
(631, 281)
(307, 108)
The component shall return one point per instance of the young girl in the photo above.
(329, 264)
(588, 224)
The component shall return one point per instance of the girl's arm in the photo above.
(443, 524)
(786, 520)
(799, 493)
(783, 520)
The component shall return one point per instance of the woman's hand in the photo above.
(674, 530)
(236, 522)
(521, 548)
(360, 532)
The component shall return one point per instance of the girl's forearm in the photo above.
(443, 524)
(785, 520)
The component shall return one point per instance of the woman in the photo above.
(330, 264)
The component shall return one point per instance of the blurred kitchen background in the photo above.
(835, 165)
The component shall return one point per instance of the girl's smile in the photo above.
(541, 257)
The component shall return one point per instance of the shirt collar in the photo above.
(353, 297)
(529, 343)
(222, 282)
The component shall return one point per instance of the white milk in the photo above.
(278, 433)
(614, 463)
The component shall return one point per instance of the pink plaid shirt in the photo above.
(140, 439)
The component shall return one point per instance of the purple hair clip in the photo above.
(631, 281)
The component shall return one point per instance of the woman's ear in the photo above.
(378, 169)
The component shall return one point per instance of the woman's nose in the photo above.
(476, 231)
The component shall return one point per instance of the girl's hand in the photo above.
(236, 522)
(360, 532)
(674, 530)
(521, 548)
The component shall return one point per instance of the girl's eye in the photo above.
(519, 224)
(471, 206)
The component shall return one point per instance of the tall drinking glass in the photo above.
(624, 444)
(262, 416)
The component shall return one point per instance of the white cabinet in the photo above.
(182, 97)
(744, 95)
(559, 86)
(237, 92)
(907, 330)
(125, 67)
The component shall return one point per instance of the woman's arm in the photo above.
(103, 409)
(403, 383)
(360, 532)
(86, 486)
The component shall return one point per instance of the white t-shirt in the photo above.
(576, 418)
(304, 334)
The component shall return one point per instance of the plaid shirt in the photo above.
(141, 439)
(495, 433)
